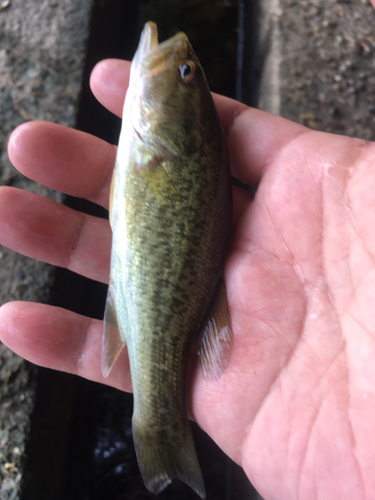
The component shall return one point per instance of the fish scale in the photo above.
(170, 213)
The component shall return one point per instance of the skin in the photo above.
(295, 406)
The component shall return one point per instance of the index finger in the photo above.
(68, 160)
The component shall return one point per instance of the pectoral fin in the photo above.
(113, 343)
(214, 345)
(158, 179)
(111, 195)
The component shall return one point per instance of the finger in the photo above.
(61, 158)
(56, 338)
(254, 137)
(109, 81)
(51, 232)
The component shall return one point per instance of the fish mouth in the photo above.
(155, 57)
(150, 61)
(149, 39)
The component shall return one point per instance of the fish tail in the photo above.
(162, 459)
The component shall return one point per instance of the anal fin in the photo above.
(113, 343)
(214, 345)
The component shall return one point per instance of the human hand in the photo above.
(295, 405)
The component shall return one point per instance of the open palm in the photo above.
(296, 404)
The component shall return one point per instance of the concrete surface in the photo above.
(320, 67)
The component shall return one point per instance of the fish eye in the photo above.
(187, 71)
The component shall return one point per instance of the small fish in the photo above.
(170, 213)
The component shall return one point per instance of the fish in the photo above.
(170, 214)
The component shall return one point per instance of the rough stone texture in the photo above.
(320, 69)
(42, 49)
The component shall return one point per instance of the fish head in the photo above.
(168, 93)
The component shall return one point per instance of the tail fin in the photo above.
(162, 458)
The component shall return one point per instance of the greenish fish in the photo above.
(170, 213)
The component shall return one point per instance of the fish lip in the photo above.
(152, 56)
(172, 49)
(151, 60)
(149, 39)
